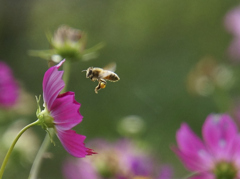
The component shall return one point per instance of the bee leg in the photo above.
(101, 84)
(93, 79)
(97, 88)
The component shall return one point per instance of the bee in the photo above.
(101, 75)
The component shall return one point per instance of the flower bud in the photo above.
(67, 43)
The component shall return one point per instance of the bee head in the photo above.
(89, 72)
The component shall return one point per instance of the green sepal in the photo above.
(38, 105)
(92, 53)
(50, 136)
(45, 54)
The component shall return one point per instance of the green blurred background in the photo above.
(155, 43)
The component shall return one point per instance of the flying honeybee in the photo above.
(101, 75)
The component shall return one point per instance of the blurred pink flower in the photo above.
(232, 23)
(9, 89)
(218, 155)
(62, 113)
(137, 161)
(166, 172)
(119, 160)
(234, 49)
(75, 169)
(235, 110)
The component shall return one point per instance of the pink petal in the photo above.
(65, 111)
(79, 168)
(235, 151)
(187, 140)
(194, 162)
(9, 93)
(232, 21)
(73, 143)
(191, 150)
(166, 172)
(52, 84)
(234, 49)
(219, 131)
(9, 89)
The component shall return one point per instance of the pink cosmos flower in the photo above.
(8, 87)
(62, 113)
(218, 155)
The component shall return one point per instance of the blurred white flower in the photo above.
(131, 125)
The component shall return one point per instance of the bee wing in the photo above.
(111, 67)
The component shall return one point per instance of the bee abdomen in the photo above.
(112, 77)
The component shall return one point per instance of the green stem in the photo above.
(12, 146)
(190, 175)
(38, 159)
(66, 69)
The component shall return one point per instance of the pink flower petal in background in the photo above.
(79, 169)
(234, 49)
(191, 150)
(235, 151)
(166, 172)
(219, 132)
(232, 21)
(9, 89)
(232, 24)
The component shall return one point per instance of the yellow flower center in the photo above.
(225, 170)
